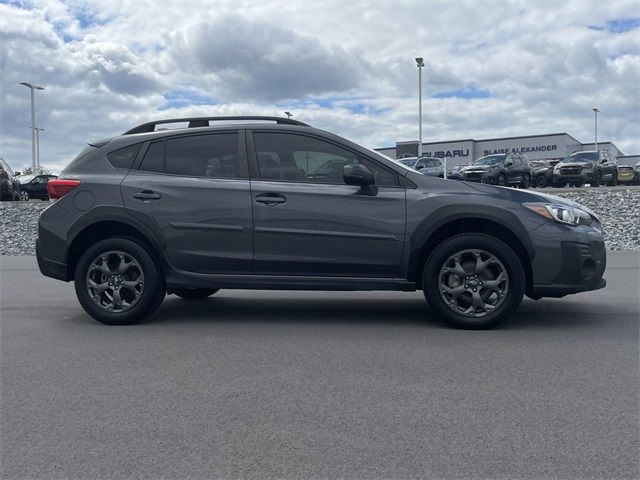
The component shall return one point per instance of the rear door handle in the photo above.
(271, 199)
(146, 196)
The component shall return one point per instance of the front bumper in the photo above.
(582, 178)
(568, 260)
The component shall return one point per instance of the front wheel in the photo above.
(541, 181)
(473, 281)
(117, 282)
(502, 180)
(194, 293)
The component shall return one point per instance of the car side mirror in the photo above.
(419, 167)
(360, 175)
(508, 164)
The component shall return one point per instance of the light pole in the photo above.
(420, 63)
(33, 87)
(595, 111)
(288, 114)
(38, 130)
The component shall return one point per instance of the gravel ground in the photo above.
(619, 211)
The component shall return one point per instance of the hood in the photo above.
(575, 164)
(478, 167)
(528, 196)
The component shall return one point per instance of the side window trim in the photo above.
(253, 159)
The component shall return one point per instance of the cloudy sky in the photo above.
(493, 68)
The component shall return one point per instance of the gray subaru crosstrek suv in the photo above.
(272, 203)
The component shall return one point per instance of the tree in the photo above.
(42, 170)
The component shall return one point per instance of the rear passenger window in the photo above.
(124, 157)
(154, 158)
(214, 156)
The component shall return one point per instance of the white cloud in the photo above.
(344, 67)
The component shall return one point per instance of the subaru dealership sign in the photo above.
(535, 147)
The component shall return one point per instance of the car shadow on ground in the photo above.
(364, 310)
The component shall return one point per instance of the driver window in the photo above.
(299, 158)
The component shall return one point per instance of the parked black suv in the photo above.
(501, 169)
(9, 185)
(587, 166)
(252, 205)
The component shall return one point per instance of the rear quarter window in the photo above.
(123, 158)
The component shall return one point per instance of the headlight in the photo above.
(561, 213)
(556, 169)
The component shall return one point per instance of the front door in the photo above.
(195, 189)
(307, 221)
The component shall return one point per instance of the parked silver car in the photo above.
(426, 165)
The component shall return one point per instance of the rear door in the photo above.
(195, 189)
(308, 222)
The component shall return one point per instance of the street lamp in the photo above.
(420, 63)
(33, 87)
(288, 114)
(38, 130)
(595, 111)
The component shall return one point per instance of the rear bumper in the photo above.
(50, 268)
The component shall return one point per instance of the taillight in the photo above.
(59, 187)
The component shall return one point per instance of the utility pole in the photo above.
(595, 111)
(33, 87)
(420, 63)
(38, 130)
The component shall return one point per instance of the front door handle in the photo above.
(271, 199)
(146, 196)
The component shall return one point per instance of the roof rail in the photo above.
(204, 122)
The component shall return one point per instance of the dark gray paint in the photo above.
(213, 232)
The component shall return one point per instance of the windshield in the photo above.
(408, 161)
(581, 157)
(25, 178)
(490, 160)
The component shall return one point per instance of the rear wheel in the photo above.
(117, 282)
(541, 181)
(595, 182)
(526, 182)
(473, 281)
(502, 180)
(194, 293)
(24, 195)
(614, 180)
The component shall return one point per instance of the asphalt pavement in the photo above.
(318, 385)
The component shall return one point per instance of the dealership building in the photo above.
(553, 146)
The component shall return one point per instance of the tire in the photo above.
(541, 181)
(500, 257)
(24, 195)
(526, 182)
(194, 293)
(502, 180)
(144, 268)
(614, 180)
(595, 181)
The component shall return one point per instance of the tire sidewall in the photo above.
(469, 241)
(154, 284)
